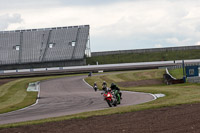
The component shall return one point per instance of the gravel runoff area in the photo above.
(4, 81)
(141, 83)
(177, 119)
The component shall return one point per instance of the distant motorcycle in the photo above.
(110, 98)
(95, 88)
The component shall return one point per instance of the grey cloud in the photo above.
(10, 4)
(24, 4)
(6, 20)
(91, 2)
(197, 28)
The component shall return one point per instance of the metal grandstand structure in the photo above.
(24, 48)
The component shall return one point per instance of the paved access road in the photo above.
(65, 96)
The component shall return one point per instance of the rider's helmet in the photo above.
(113, 86)
(104, 83)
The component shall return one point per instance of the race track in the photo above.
(67, 96)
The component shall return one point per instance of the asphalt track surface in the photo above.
(65, 96)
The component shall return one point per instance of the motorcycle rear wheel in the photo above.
(115, 103)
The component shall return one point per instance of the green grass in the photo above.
(144, 57)
(126, 76)
(14, 96)
(175, 95)
(177, 73)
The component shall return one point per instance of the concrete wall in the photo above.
(145, 50)
(193, 79)
(44, 64)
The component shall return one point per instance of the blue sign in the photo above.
(192, 71)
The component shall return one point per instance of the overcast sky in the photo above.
(114, 24)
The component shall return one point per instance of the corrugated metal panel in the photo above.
(35, 44)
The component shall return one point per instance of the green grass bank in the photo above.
(177, 73)
(144, 57)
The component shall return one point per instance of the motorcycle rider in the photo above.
(104, 86)
(105, 89)
(90, 74)
(95, 86)
(116, 89)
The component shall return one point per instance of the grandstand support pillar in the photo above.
(46, 47)
(88, 49)
(73, 54)
(20, 49)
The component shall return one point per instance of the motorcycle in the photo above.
(110, 98)
(95, 88)
(117, 95)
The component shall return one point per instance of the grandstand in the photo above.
(48, 47)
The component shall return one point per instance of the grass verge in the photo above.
(177, 73)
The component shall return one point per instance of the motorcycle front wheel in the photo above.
(109, 103)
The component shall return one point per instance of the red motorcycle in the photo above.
(110, 98)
